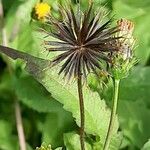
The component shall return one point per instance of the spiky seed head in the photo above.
(83, 39)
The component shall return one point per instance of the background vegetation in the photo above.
(49, 117)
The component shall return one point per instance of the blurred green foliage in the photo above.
(50, 111)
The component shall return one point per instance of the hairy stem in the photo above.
(81, 102)
(113, 115)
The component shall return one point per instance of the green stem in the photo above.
(81, 102)
(113, 115)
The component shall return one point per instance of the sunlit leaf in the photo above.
(34, 95)
(72, 142)
(146, 145)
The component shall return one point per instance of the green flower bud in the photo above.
(123, 60)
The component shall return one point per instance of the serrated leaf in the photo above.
(96, 112)
(34, 95)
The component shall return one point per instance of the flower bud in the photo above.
(127, 42)
(123, 59)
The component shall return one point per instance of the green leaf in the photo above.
(34, 95)
(134, 99)
(146, 145)
(5, 86)
(96, 112)
(19, 14)
(136, 86)
(24, 40)
(140, 4)
(120, 11)
(8, 141)
(72, 142)
(59, 148)
(133, 121)
(55, 125)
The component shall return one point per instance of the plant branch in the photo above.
(113, 115)
(81, 102)
(19, 123)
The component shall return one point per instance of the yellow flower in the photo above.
(41, 10)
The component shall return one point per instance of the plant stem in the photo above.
(20, 126)
(81, 102)
(113, 115)
(19, 123)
